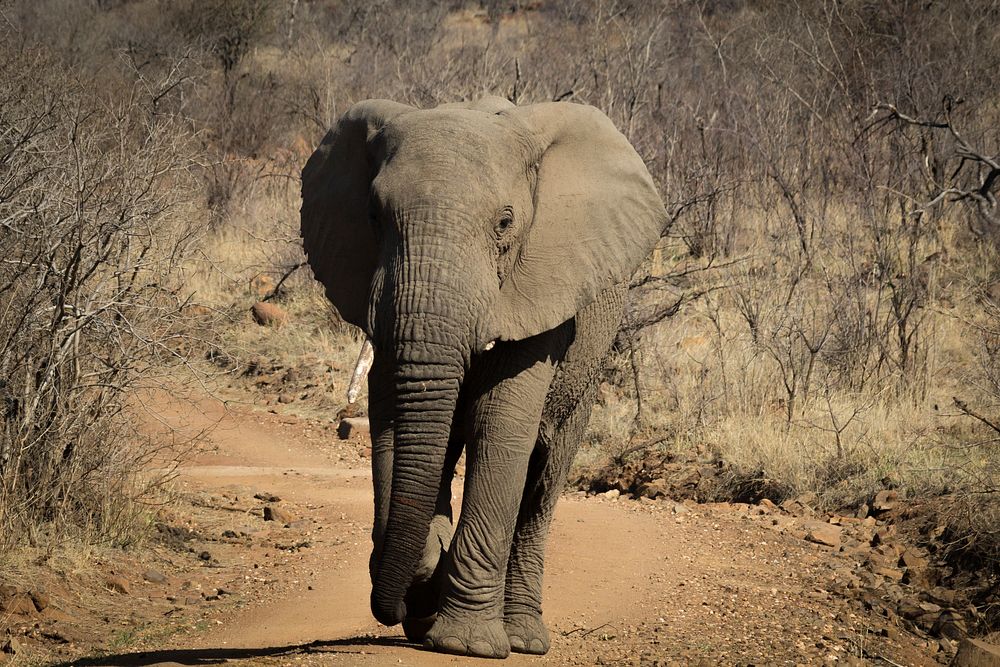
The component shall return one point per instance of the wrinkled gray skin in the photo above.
(438, 232)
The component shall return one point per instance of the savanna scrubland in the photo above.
(822, 315)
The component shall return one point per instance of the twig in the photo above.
(277, 288)
(586, 632)
(964, 407)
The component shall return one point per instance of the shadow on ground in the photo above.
(215, 656)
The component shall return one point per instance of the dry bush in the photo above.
(92, 190)
(826, 288)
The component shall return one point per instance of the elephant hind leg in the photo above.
(523, 588)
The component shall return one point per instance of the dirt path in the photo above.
(627, 582)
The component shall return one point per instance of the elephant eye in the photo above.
(505, 221)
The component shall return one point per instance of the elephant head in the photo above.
(441, 231)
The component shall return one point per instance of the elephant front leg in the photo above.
(504, 428)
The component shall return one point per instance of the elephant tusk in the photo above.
(365, 359)
(489, 346)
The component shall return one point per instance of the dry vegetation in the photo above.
(823, 314)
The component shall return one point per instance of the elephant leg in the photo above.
(550, 464)
(564, 421)
(509, 394)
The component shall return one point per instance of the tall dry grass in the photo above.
(829, 283)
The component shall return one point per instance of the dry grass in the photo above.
(827, 314)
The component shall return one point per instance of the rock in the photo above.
(889, 573)
(654, 489)
(205, 556)
(273, 513)
(41, 600)
(949, 624)
(353, 427)
(19, 604)
(154, 577)
(679, 508)
(885, 500)
(823, 533)
(801, 505)
(268, 314)
(912, 558)
(267, 497)
(365, 452)
(976, 653)
(862, 512)
(118, 584)
(612, 494)
(10, 646)
(285, 398)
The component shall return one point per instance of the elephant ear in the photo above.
(336, 232)
(597, 214)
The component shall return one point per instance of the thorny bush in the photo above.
(90, 187)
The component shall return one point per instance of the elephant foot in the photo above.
(416, 629)
(470, 636)
(527, 633)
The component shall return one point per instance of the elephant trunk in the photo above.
(430, 362)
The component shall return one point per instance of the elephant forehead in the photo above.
(453, 141)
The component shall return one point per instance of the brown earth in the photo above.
(649, 582)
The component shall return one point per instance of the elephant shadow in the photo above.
(217, 656)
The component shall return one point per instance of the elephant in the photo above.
(485, 250)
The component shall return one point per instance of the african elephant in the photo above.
(484, 249)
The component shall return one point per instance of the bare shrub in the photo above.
(90, 193)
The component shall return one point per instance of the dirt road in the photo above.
(627, 582)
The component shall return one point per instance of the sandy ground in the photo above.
(627, 582)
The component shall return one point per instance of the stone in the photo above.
(284, 398)
(889, 573)
(274, 513)
(117, 584)
(10, 646)
(680, 508)
(911, 558)
(154, 577)
(365, 452)
(612, 494)
(801, 505)
(862, 512)
(267, 497)
(41, 600)
(656, 488)
(268, 314)
(353, 427)
(764, 502)
(976, 653)
(20, 604)
(885, 500)
(949, 624)
(823, 533)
